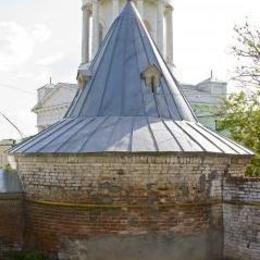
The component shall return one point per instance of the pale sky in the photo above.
(42, 38)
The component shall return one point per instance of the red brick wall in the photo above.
(48, 227)
(11, 223)
(124, 196)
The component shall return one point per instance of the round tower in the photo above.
(128, 173)
(99, 15)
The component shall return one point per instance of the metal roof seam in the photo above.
(113, 130)
(131, 136)
(68, 127)
(174, 79)
(190, 136)
(123, 76)
(141, 82)
(92, 133)
(109, 69)
(157, 105)
(204, 136)
(228, 140)
(42, 135)
(174, 137)
(149, 62)
(166, 101)
(147, 34)
(103, 43)
(152, 134)
(217, 137)
(84, 125)
(101, 50)
(85, 99)
(73, 103)
(23, 143)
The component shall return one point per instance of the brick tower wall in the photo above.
(126, 206)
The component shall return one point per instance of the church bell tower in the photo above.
(98, 16)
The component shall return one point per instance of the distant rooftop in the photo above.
(7, 142)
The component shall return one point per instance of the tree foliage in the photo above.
(242, 111)
(247, 51)
(242, 120)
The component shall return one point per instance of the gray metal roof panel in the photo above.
(130, 134)
(117, 112)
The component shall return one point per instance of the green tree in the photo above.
(242, 120)
(247, 52)
(242, 111)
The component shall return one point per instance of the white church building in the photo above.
(98, 15)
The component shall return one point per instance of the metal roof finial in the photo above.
(211, 74)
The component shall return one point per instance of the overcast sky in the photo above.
(42, 38)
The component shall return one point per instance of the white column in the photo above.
(140, 7)
(95, 27)
(85, 33)
(169, 35)
(160, 29)
(115, 8)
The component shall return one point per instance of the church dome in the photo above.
(129, 102)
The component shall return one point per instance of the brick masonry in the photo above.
(112, 206)
(241, 214)
(92, 201)
(11, 223)
(53, 229)
(132, 179)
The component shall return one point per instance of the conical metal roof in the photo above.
(131, 103)
(116, 87)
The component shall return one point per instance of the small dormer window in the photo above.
(152, 76)
(83, 80)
